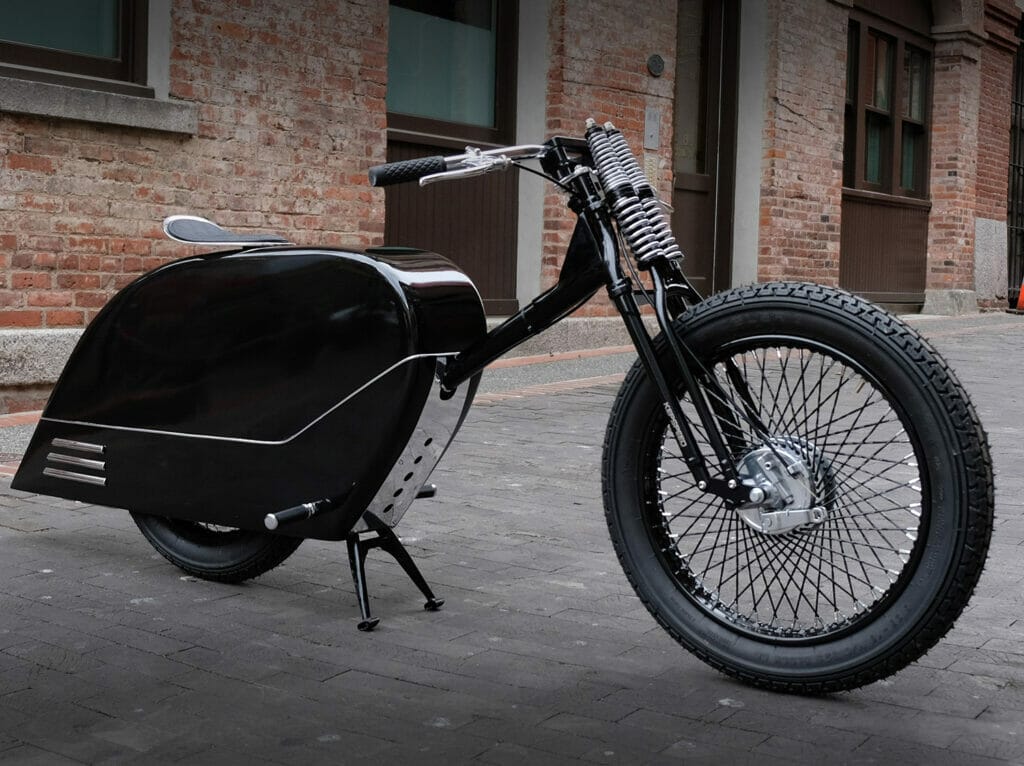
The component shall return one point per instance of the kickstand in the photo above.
(385, 539)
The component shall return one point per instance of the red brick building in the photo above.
(861, 143)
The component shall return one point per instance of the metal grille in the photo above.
(1015, 211)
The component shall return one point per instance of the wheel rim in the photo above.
(217, 529)
(831, 424)
(204, 533)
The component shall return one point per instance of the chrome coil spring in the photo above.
(626, 205)
(627, 161)
(653, 207)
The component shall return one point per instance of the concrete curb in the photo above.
(37, 357)
(34, 357)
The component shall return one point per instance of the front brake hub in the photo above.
(791, 486)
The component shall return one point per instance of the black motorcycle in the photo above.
(795, 483)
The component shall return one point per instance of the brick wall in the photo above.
(291, 103)
(994, 112)
(802, 173)
(598, 68)
(994, 133)
(954, 165)
(291, 113)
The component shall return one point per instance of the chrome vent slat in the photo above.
(81, 462)
(58, 473)
(97, 449)
(84, 463)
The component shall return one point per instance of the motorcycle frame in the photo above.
(592, 260)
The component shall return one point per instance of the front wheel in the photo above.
(873, 508)
(222, 554)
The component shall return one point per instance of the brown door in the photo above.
(704, 150)
(884, 236)
(451, 76)
(1015, 198)
(472, 222)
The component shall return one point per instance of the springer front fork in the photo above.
(678, 373)
(592, 261)
(644, 226)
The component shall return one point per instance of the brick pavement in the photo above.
(541, 655)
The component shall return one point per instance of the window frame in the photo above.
(409, 127)
(861, 26)
(125, 74)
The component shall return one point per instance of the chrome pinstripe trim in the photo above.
(81, 462)
(240, 440)
(85, 478)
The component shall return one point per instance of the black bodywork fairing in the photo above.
(224, 387)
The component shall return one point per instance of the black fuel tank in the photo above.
(223, 387)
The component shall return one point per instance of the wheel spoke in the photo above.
(847, 453)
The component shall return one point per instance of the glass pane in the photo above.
(882, 71)
(691, 98)
(852, 44)
(88, 27)
(915, 72)
(849, 146)
(911, 157)
(441, 60)
(874, 148)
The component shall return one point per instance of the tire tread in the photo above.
(265, 551)
(970, 438)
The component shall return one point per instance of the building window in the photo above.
(451, 83)
(48, 39)
(450, 68)
(887, 86)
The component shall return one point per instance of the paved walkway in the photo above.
(542, 654)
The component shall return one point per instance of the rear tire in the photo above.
(221, 554)
(884, 445)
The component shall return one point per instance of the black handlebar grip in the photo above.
(406, 170)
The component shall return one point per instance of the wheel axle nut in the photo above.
(702, 485)
(732, 484)
(756, 495)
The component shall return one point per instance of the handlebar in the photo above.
(406, 170)
(473, 162)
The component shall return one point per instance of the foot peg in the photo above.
(299, 513)
(385, 539)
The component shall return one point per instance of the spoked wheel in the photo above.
(869, 485)
(212, 552)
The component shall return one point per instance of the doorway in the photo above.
(451, 83)
(1015, 206)
(704, 149)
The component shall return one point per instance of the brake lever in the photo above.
(475, 166)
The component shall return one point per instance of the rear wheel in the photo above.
(223, 554)
(870, 484)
